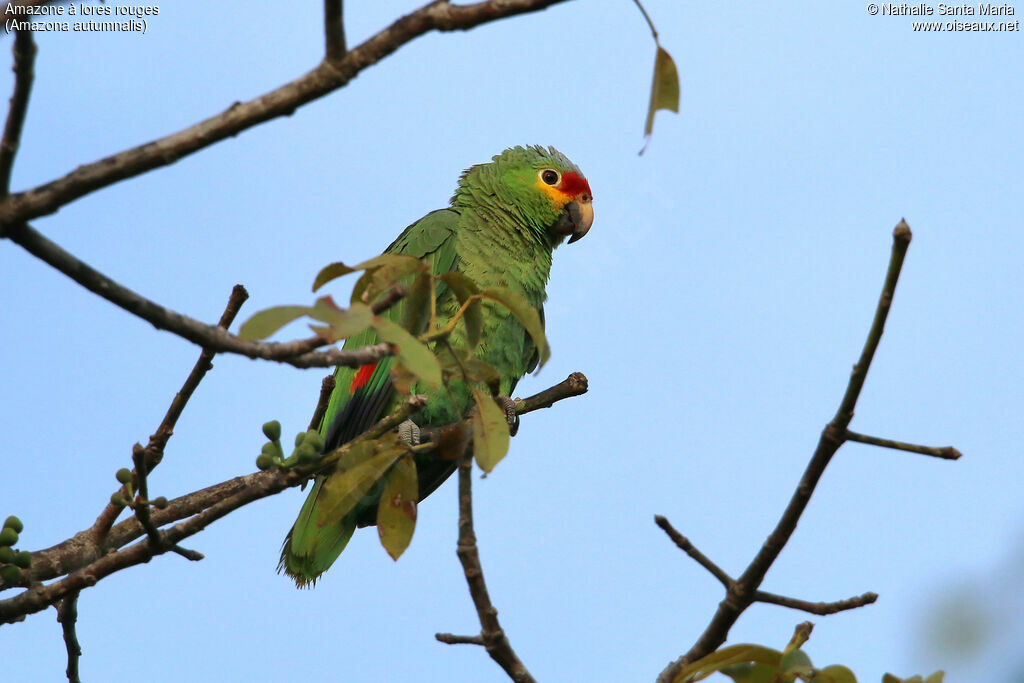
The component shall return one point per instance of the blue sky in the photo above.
(716, 306)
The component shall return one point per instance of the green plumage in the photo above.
(503, 223)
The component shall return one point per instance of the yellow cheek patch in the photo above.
(558, 198)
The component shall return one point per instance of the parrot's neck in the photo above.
(500, 249)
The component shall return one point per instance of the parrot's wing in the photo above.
(363, 395)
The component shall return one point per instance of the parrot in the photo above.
(503, 222)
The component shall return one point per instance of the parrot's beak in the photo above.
(577, 218)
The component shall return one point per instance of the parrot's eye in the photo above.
(550, 177)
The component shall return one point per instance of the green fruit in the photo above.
(10, 574)
(8, 536)
(124, 475)
(314, 439)
(119, 499)
(13, 522)
(269, 449)
(6, 554)
(272, 430)
(23, 559)
(264, 461)
(160, 503)
(306, 453)
(299, 438)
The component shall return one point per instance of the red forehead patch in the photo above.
(574, 184)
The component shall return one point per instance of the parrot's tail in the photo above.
(310, 549)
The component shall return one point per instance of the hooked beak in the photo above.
(577, 217)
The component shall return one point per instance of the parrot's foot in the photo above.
(409, 433)
(511, 416)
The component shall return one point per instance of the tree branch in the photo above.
(298, 353)
(819, 608)
(946, 452)
(327, 77)
(683, 543)
(492, 636)
(83, 561)
(326, 389)
(334, 31)
(742, 592)
(24, 50)
(154, 452)
(67, 615)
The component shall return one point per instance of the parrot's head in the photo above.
(540, 185)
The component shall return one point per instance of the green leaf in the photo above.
(264, 323)
(835, 673)
(396, 513)
(728, 656)
(346, 487)
(341, 323)
(412, 353)
(490, 432)
(416, 309)
(664, 89)
(751, 673)
(526, 314)
(331, 272)
(384, 272)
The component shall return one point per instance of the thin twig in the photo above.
(298, 353)
(492, 636)
(452, 639)
(654, 31)
(141, 502)
(326, 389)
(240, 116)
(334, 30)
(24, 60)
(819, 608)
(684, 544)
(741, 594)
(67, 615)
(154, 451)
(946, 452)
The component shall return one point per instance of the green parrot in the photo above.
(505, 219)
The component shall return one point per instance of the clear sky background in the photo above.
(716, 306)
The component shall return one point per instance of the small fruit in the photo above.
(7, 554)
(13, 522)
(272, 430)
(264, 461)
(8, 536)
(23, 559)
(124, 475)
(10, 574)
(118, 499)
(160, 503)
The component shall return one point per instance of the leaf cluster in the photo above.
(428, 309)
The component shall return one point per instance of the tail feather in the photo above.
(310, 549)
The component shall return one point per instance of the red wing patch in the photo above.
(362, 377)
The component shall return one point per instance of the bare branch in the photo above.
(683, 543)
(492, 636)
(299, 353)
(67, 615)
(452, 639)
(24, 60)
(334, 30)
(819, 608)
(744, 590)
(574, 385)
(326, 389)
(240, 116)
(946, 452)
(158, 440)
